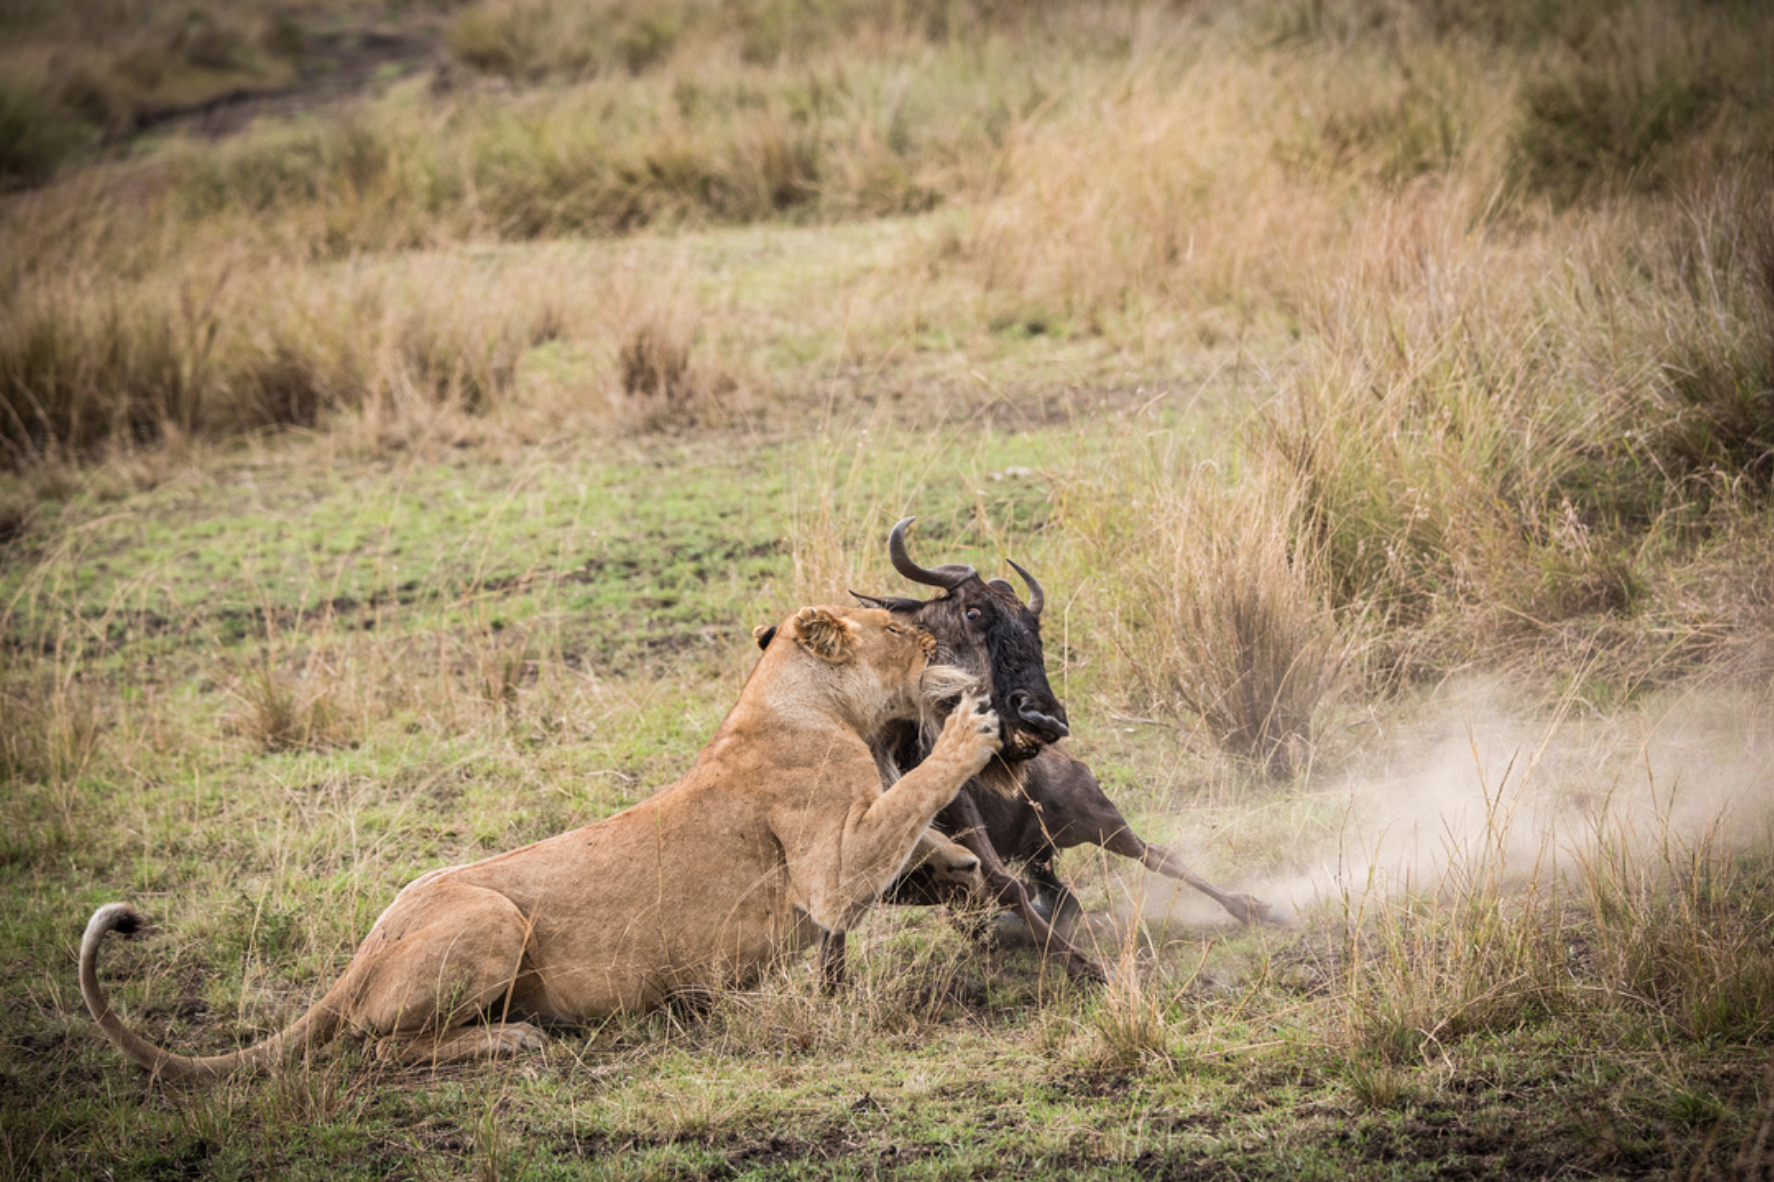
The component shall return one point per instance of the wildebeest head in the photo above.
(982, 626)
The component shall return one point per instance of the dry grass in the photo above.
(1138, 185)
(1218, 608)
(1149, 202)
(385, 347)
(1648, 919)
(53, 731)
(445, 527)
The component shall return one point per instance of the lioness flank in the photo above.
(780, 829)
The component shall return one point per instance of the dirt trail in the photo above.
(336, 66)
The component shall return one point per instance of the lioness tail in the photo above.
(319, 1025)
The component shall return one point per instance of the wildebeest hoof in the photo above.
(1252, 910)
(1086, 971)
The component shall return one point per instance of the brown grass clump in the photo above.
(52, 731)
(76, 372)
(291, 706)
(667, 372)
(240, 345)
(1219, 608)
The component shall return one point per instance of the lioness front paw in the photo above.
(970, 733)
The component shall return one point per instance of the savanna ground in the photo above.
(406, 412)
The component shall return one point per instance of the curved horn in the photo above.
(947, 577)
(1037, 597)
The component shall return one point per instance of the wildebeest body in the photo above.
(1035, 799)
(1061, 805)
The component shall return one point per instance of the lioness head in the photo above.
(877, 668)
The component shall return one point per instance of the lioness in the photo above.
(781, 821)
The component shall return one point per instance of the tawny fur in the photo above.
(780, 829)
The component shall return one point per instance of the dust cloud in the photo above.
(1470, 787)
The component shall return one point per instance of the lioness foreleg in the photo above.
(947, 866)
(875, 845)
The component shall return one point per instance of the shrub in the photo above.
(1615, 109)
(37, 135)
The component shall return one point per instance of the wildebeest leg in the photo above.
(1076, 811)
(1245, 908)
(970, 831)
(1063, 908)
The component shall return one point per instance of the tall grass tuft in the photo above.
(1220, 612)
(286, 706)
(52, 733)
(77, 372)
(1638, 906)
(1715, 321)
(1430, 963)
(654, 370)
(1678, 936)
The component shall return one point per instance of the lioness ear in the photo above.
(828, 637)
(764, 634)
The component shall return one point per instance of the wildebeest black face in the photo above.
(984, 628)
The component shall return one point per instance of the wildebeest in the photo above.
(1035, 799)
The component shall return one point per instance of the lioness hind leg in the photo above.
(464, 1044)
(442, 956)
